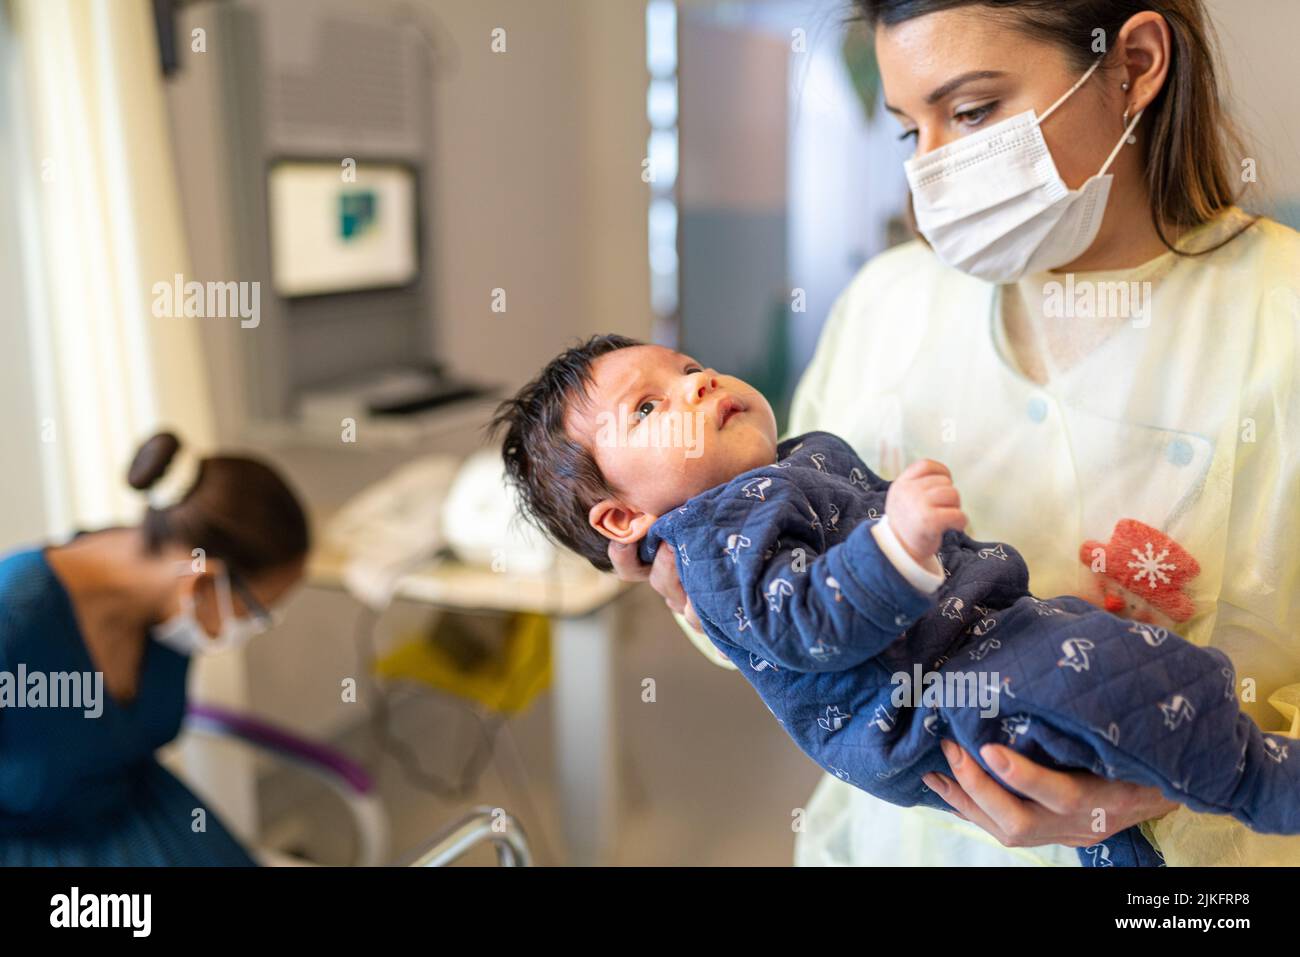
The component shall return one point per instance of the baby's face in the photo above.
(662, 429)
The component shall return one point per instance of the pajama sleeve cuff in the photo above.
(925, 578)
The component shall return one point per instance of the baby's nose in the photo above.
(701, 384)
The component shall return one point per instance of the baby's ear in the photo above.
(618, 522)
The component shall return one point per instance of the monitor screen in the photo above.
(336, 228)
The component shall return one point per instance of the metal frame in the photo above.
(356, 788)
(480, 825)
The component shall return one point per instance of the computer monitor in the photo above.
(341, 227)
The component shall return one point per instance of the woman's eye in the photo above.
(908, 135)
(975, 116)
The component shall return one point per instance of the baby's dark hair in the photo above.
(557, 479)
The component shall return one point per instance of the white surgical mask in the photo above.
(184, 633)
(993, 205)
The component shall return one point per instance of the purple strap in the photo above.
(285, 742)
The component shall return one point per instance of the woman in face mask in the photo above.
(117, 614)
(1103, 348)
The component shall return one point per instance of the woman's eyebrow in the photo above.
(958, 81)
(955, 83)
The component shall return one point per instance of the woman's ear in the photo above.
(1144, 44)
(619, 523)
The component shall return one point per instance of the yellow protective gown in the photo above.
(1185, 417)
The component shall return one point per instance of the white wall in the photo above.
(536, 179)
(1258, 43)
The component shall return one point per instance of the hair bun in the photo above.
(152, 459)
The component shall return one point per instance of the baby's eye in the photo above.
(644, 409)
(690, 369)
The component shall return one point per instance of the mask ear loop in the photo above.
(188, 602)
(1128, 130)
(225, 600)
(185, 569)
(1070, 92)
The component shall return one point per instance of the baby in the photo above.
(869, 623)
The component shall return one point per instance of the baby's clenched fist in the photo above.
(922, 504)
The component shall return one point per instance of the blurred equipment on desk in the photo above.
(390, 528)
(483, 525)
(394, 391)
(431, 506)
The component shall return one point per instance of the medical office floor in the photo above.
(707, 777)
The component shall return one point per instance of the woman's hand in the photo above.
(1062, 804)
(662, 576)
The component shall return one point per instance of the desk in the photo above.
(580, 603)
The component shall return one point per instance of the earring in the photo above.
(1131, 138)
(1124, 86)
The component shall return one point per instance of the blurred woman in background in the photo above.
(223, 540)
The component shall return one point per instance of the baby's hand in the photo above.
(922, 504)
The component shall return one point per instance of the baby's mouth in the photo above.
(728, 408)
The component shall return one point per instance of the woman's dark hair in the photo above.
(1187, 166)
(238, 510)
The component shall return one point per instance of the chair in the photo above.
(356, 789)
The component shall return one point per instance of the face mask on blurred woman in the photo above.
(184, 633)
(993, 205)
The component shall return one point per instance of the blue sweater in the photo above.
(77, 789)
